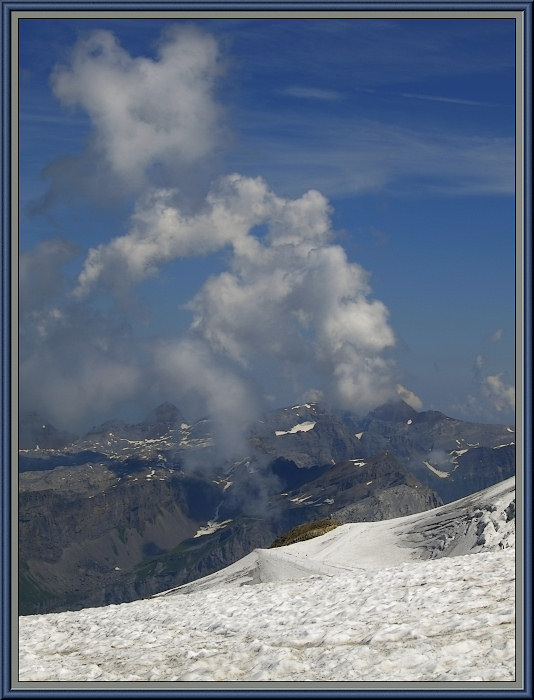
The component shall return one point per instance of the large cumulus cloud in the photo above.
(289, 294)
(145, 111)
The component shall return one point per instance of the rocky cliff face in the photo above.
(307, 435)
(364, 489)
(80, 528)
(454, 458)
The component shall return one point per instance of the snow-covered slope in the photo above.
(482, 522)
(380, 601)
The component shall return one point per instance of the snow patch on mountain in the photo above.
(358, 462)
(211, 527)
(299, 428)
(434, 470)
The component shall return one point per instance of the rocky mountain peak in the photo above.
(394, 411)
(37, 431)
(431, 417)
(165, 414)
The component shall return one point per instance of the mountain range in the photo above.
(128, 510)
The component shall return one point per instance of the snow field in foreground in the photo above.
(449, 619)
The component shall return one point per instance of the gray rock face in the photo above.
(363, 489)
(81, 528)
(307, 435)
(453, 457)
(392, 502)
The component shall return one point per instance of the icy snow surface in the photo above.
(380, 601)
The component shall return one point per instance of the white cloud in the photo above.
(77, 366)
(501, 395)
(313, 396)
(496, 336)
(145, 111)
(188, 369)
(296, 298)
(40, 272)
(409, 397)
(290, 295)
(161, 232)
(289, 298)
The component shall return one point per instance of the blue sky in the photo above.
(234, 214)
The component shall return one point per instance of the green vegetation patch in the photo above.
(121, 532)
(306, 531)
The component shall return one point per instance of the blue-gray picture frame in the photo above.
(10, 686)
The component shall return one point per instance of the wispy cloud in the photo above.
(309, 93)
(500, 394)
(381, 52)
(409, 397)
(450, 100)
(426, 97)
(341, 156)
(496, 336)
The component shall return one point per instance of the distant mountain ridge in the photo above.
(133, 509)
